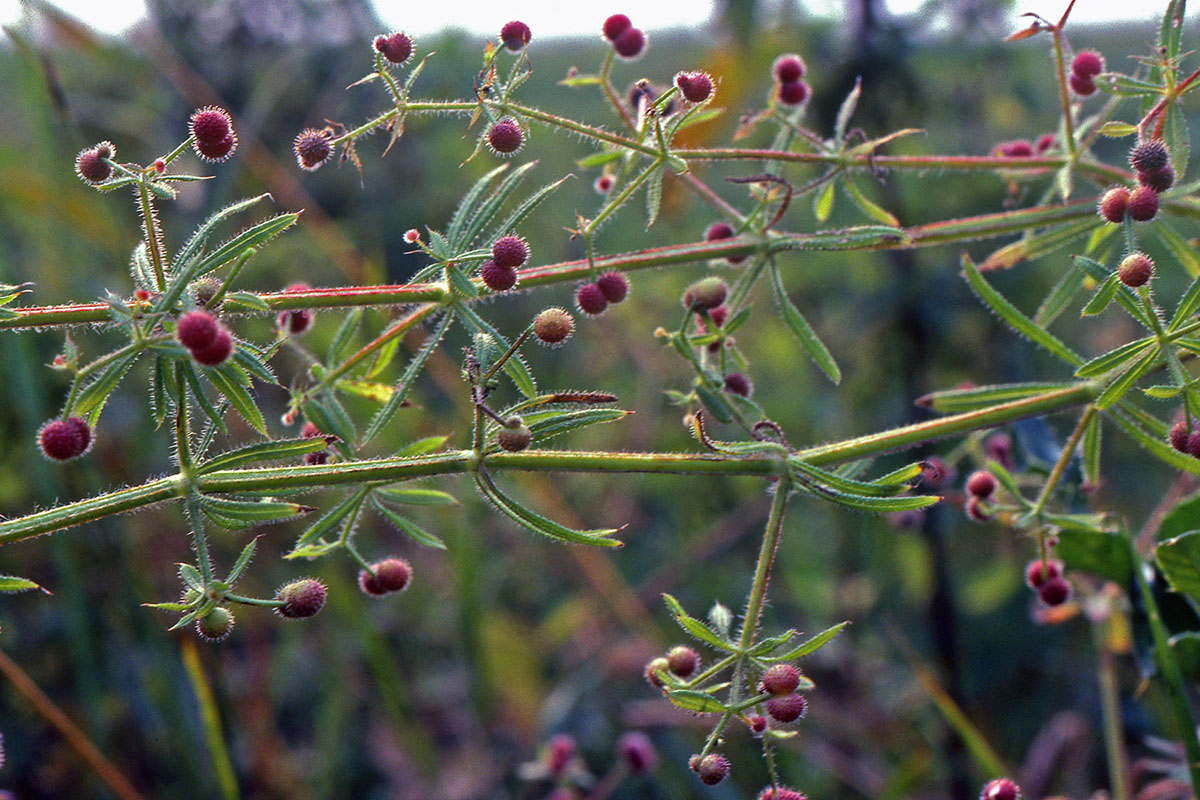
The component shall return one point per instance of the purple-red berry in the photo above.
(301, 599)
(713, 769)
(604, 184)
(758, 723)
(787, 707)
(630, 43)
(515, 436)
(64, 439)
(1082, 85)
(1037, 572)
(312, 148)
(784, 793)
(395, 47)
(216, 351)
(505, 137)
(793, 93)
(1143, 204)
(90, 164)
(515, 35)
(391, 575)
(553, 326)
(1089, 64)
(974, 509)
(682, 660)
(1149, 155)
(1114, 204)
(497, 278)
(560, 751)
(788, 68)
(1193, 443)
(1044, 142)
(614, 286)
(510, 251)
(637, 752)
(981, 484)
(781, 679)
(217, 151)
(1055, 591)
(655, 666)
(1178, 436)
(196, 330)
(298, 321)
(1135, 270)
(615, 25)
(1020, 148)
(739, 384)
(210, 125)
(1158, 179)
(590, 299)
(696, 87)
(1000, 789)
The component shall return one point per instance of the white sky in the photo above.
(559, 17)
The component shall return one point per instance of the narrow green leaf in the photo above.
(1091, 450)
(247, 300)
(536, 522)
(273, 450)
(1117, 389)
(1007, 312)
(1154, 443)
(416, 497)
(408, 527)
(696, 702)
(415, 365)
(325, 523)
(11, 584)
(840, 483)
(695, 627)
(466, 206)
(868, 207)
(226, 382)
(714, 403)
(653, 196)
(423, 447)
(1175, 134)
(343, 337)
(956, 401)
(823, 202)
(330, 417)
(1125, 296)
(1115, 358)
(192, 378)
(486, 211)
(547, 425)
(846, 112)
(197, 240)
(242, 562)
(238, 514)
(803, 331)
(90, 402)
(810, 646)
(515, 367)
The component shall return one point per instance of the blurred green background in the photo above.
(506, 639)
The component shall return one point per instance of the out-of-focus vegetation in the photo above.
(506, 639)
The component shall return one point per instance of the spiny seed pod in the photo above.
(694, 86)
(705, 294)
(637, 752)
(515, 436)
(515, 35)
(391, 575)
(694, 762)
(64, 439)
(1178, 436)
(216, 624)
(1114, 204)
(1089, 64)
(1055, 591)
(217, 152)
(613, 286)
(1081, 85)
(90, 164)
(713, 769)
(217, 351)
(974, 509)
(656, 666)
(788, 68)
(787, 707)
(758, 723)
(1193, 444)
(682, 660)
(793, 93)
(553, 326)
(981, 484)
(630, 43)
(312, 148)
(317, 458)
(615, 25)
(590, 299)
(603, 184)
(1000, 789)
(196, 330)
(739, 384)
(505, 137)
(301, 599)
(783, 793)
(1149, 155)
(395, 47)
(510, 251)
(1159, 179)
(1037, 572)
(1044, 143)
(781, 679)
(1143, 204)
(1135, 269)
(496, 277)
(1020, 148)
(210, 125)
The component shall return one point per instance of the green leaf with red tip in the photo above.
(957, 401)
(11, 584)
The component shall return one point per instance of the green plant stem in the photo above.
(762, 570)
(1064, 458)
(1068, 125)
(1169, 667)
(210, 719)
(398, 469)
(153, 235)
(1110, 706)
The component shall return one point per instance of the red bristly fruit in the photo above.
(515, 35)
(614, 286)
(615, 25)
(395, 47)
(1143, 204)
(781, 679)
(312, 148)
(1114, 204)
(981, 484)
(1000, 789)
(65, 439)
(630, 43)
(553, 326)
(391, 575)
(788, 68)
(590, 299)
(301, 599)
(713, 769)
(496, 277)
(682, 660)
(505, 137)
